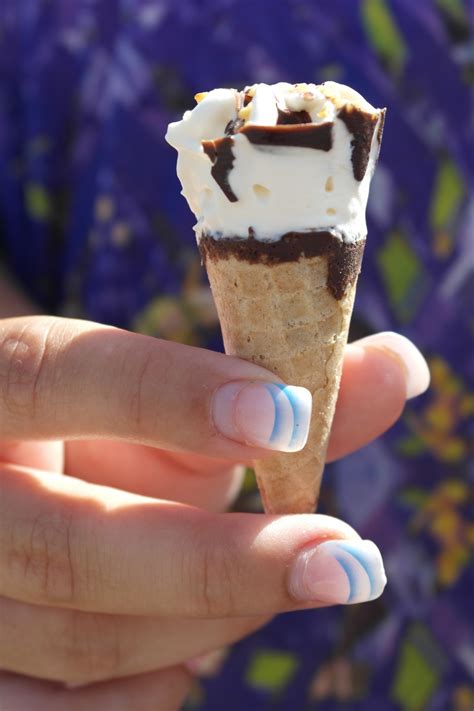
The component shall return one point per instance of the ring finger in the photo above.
(164, 690)
(79, 647)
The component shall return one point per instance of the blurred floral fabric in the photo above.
(93, 224)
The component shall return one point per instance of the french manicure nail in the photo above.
(339, 572)
(414, 365)
(262, 414)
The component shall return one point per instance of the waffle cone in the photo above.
(284, 318)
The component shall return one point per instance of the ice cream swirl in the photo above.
(277, 159)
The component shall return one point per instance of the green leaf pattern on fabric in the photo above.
(447, 195)
(384, 34)
(271, 670)
(38, 202)
(403, 275)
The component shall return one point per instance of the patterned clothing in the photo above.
(92, 223)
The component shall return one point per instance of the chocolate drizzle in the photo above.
(300, 135)
(307, 135)
(344, 260)
(294, 129)
(222, 158)
(234, 126)
(287, 118)
(362, 125)
(381, 126)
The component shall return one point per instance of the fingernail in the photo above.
(194, 665)
(339, 572)
(414, 365)
(208, 664)
(261, 414)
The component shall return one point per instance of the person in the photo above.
(119, 565)
(127, 548)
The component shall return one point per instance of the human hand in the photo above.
(100, 583)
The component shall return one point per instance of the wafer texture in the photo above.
(284, 318)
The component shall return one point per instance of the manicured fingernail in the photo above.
(194, 665)
(207, 665)
(261, 414)
(338, 573)
(416, 369)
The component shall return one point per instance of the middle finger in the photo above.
(68, 543)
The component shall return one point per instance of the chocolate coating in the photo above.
(222, 158)
(344, 260)
(362, 126)
(307, 135)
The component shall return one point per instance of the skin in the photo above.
(117, 574)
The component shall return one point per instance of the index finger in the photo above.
(67, 379)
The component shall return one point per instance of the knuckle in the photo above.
(216, 582)
(139, 409)
(40, 558)
(143, 401)
(25, 349)
(89, 648)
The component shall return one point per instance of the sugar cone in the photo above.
(283, 317)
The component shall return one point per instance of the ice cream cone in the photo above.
(278, 178)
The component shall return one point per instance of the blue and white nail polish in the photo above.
(263, 414)
(338, 572)
(292, 413)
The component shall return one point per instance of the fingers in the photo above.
(66, 379)
(67, 543)
(380, 373)
(81, 647)
(165, 690)
(406, 354)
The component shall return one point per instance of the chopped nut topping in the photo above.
(329, 187)
(245, 112)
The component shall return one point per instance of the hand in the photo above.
(125, 567)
